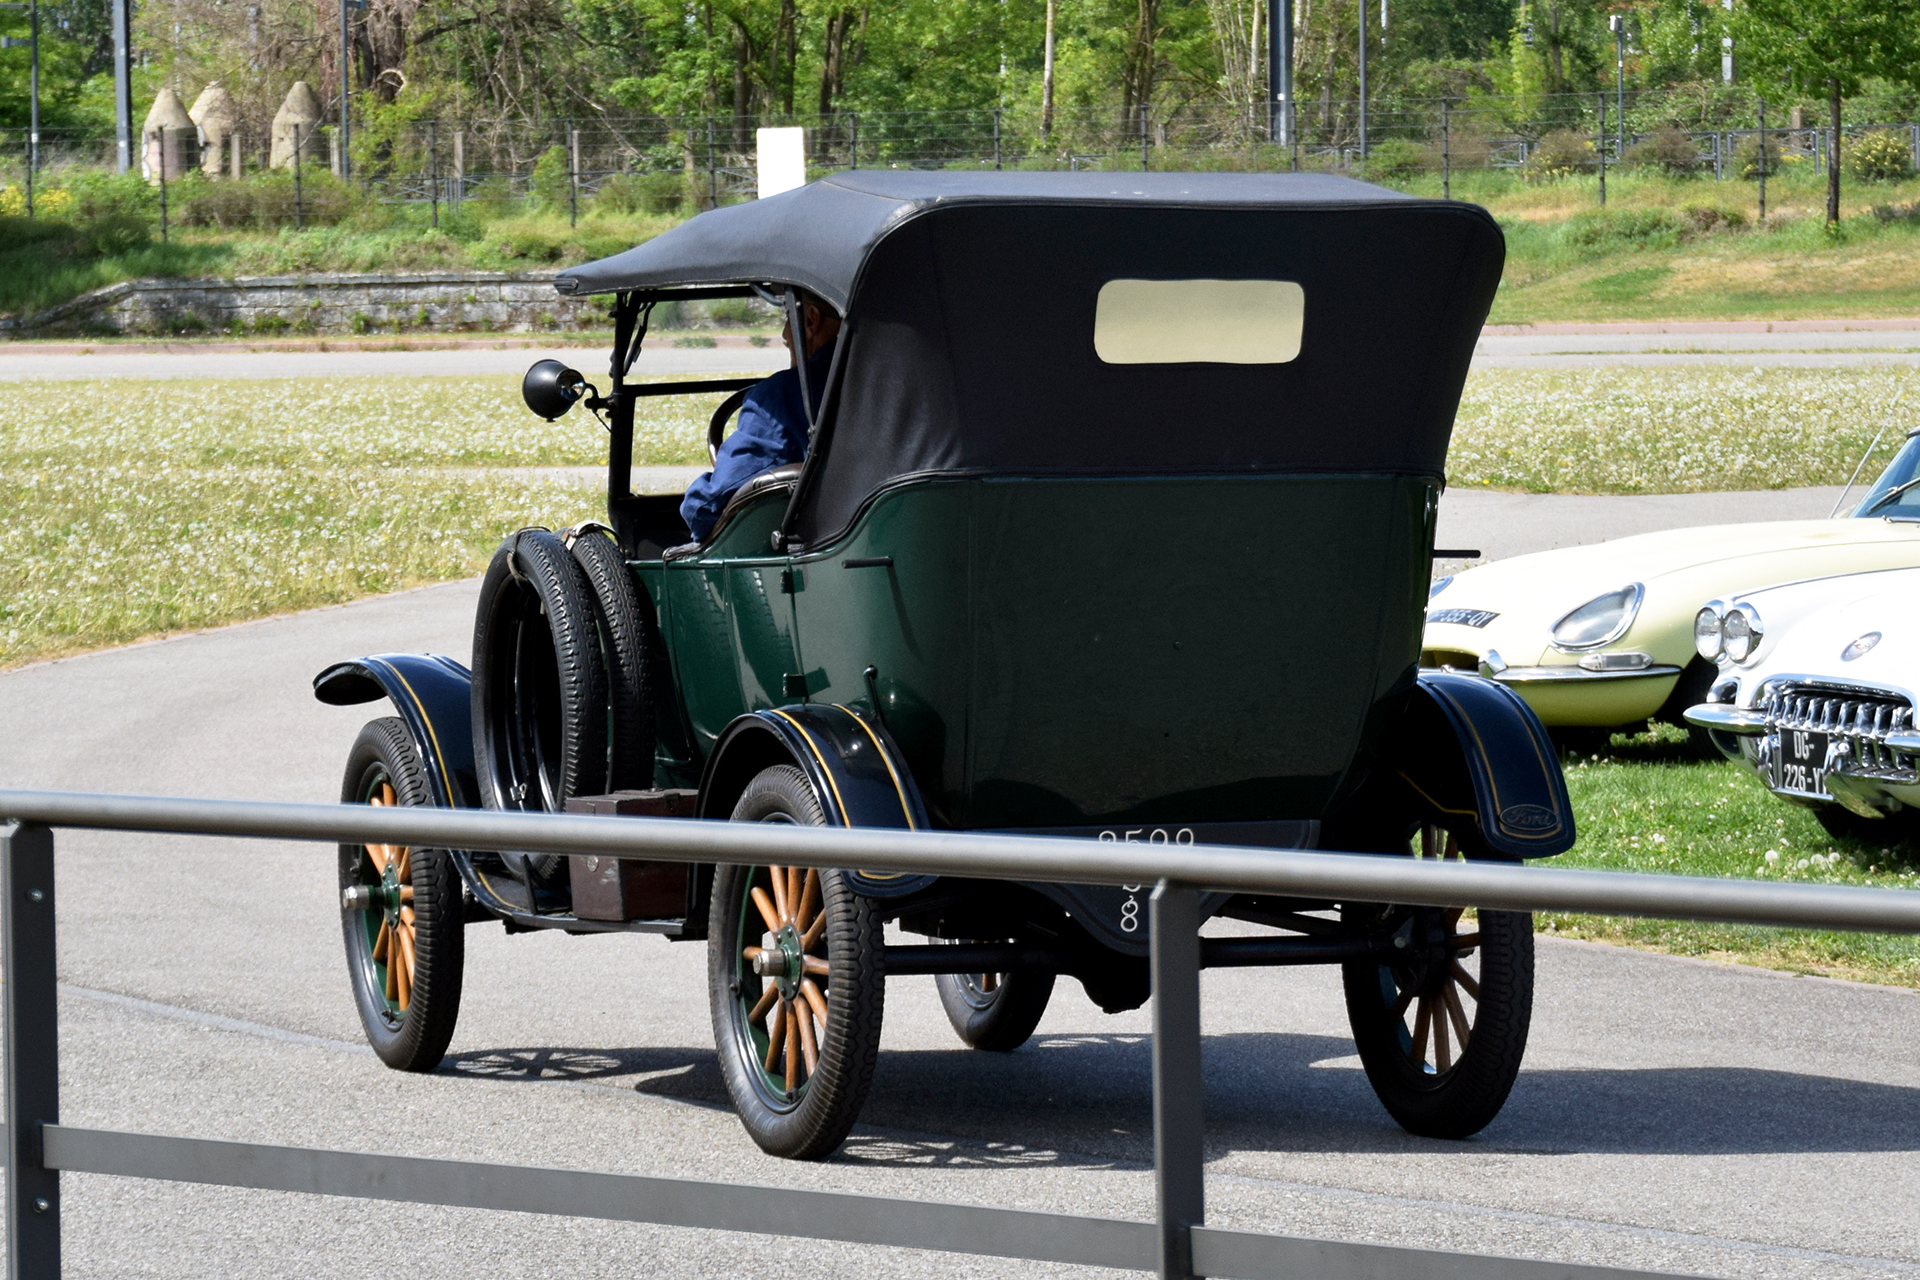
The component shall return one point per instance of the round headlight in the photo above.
(1707, 640)
(1599, 621)
(1742, 631)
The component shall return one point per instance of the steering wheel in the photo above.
(717, 429)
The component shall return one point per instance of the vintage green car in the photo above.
(1115, 523)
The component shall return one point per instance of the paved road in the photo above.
(1674, 1114)
(1680, 346)
(1499, 524)
(1497, 350)
(107, 362)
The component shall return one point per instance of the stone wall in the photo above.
(441, 301)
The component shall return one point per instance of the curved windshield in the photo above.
(1896, 494)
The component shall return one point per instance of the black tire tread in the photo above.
(421, 1040)
(850, 1043)
(627, 652)
(1008, 1021)
(1473, 1092)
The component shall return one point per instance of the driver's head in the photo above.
(820, 321)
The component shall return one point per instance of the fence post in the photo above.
(713, 176)
(299, 208)
(235, 151)
(1446, 152)
(1600, 151)
(433, 169)
(1179, 1119)
(1143, 137)
(459, 166)
(1760, 161)
(32, 1051)
(996, 138)
(573, 175)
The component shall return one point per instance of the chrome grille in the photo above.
(1860, 719)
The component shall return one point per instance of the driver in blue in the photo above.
(772, 430)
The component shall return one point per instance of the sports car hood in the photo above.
(1871, 639)
(1680, 569)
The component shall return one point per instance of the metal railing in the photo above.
(1177, 1244)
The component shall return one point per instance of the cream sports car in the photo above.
(1602, 636)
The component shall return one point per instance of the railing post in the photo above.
(32, 1050)
(1178, 1112)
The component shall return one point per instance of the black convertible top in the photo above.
(971, 300)
(818, 236)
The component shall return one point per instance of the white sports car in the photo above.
(1815, 690)
(1602, 635)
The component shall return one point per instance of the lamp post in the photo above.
(1363, 78)
(32, 42)
(122, 84)
(346, 84)
(1618, 24)
(1280, 71)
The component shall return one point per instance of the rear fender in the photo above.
(849, 759)
(1472, 748)
(434, 698)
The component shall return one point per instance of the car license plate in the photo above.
(1800, 763)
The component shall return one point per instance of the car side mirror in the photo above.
(550, 388)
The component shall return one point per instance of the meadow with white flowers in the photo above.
(1675, 430)
(136, 508)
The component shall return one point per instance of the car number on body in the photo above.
(1800, 763)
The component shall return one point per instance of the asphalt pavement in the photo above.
(1673, 1114)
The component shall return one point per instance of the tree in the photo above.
(1829, 47)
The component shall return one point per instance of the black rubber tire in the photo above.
(1000, 1020)
(1463, 1099)
(539, 684)
(416, 1038)
(625, 650)
(811, 1123)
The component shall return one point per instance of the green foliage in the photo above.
(1397, 158)
(1668, 150)
(1750, 159)
(629, 193)
(1883, 155)
(267, 201)
(1595, 233)
(1560, 154)
(551, 181)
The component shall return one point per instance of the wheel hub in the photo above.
(780, 960)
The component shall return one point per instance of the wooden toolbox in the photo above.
(622, 889)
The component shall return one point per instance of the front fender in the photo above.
(434, 698)
(849, 759)
(1471, 747)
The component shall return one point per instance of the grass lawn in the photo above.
(1668, 248)
(136, 508)
(1647, 804)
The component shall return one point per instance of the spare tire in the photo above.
(539, 686)
(625, 625)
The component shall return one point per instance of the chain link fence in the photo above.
(672, 165)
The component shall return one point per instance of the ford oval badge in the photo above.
(1860, 646)
(1529, 817)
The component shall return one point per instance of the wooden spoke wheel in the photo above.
(400, 912)
(1442, 1027)
(995, 1011)
(797, 979)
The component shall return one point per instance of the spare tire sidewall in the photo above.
(539, 681)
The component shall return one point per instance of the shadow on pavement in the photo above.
(1089, 1095)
